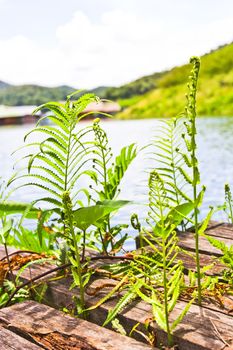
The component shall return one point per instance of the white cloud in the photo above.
(117, 48)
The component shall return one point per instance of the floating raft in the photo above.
(207, 327)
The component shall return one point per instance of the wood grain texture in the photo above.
(12, 341)
(208, 327)
(54, 330)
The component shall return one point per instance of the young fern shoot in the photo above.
(177, 164)
(228, 205)
(190, 141)
(108, 174)
(73, 240)
(170, 160)
(163, 224)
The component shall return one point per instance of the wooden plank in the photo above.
(12, 341)
(220, 229)
(54, 330)
(187, 242)
(189, 262)
(197, 331)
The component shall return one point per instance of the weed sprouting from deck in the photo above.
(77, 221)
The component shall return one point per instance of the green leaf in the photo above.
(5, 229)
(176, 215)
(205, 222)
(181, 315)
(158, 313)
(87, 216)
(179, 213)
(200, 197)
(125, 300)
(110, 294)
(12, 207)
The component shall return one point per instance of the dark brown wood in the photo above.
(209, 327)
(220, 229)
(53, 330)
(187, 242)
(197, 330)
(11, 341)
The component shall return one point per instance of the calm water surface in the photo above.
(215, 151)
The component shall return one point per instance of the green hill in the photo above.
(167, 97)
(12, 95)
(158, 95)
(18, 95)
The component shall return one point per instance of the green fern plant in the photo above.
(227, 255)
(177, 163)
(171, 160)
(163, 224)
(108, 174)
(155, 276)
(190, 141)
(55, 164)
(228, 205)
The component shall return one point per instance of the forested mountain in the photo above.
(215, 89)
(161, 94)
(18, 95)
(14, 95)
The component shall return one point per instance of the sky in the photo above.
(90, 43)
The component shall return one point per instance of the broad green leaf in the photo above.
(87, 216)
(12, 207)
(175, 216)
(4, 230)
(179, 213)
(205, 222)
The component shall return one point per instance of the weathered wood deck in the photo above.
(36, 326)
(206, 327)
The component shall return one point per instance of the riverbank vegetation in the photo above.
(75, 225)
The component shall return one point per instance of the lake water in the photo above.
(215, 152)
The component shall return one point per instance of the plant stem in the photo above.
(164, 254)
(192, 115)
(229, 202)
(79, 271)
(84, 244)
(169, 336)
(197, 248)
(69, 227)
(103, 243)
(67, 159)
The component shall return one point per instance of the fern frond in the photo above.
(186, 176)
(51, 131)
(61, 122)
(49, 171)
(123, 302)
(43, 179)
(51, 163)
